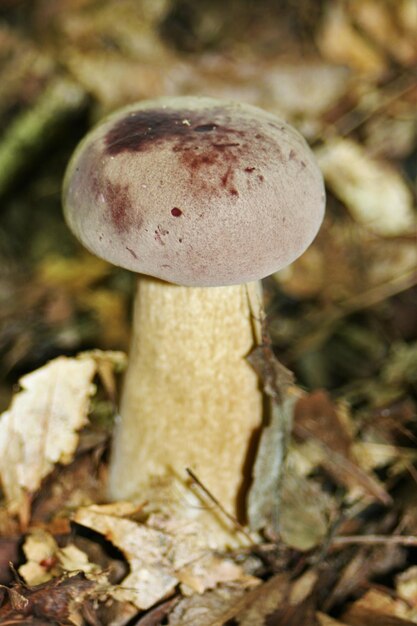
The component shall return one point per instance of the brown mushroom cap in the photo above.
(195, 191)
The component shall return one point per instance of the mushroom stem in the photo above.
(190, 398)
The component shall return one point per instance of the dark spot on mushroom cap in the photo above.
(221, 146)
(224, 179)
(200, 144)
(204, 128)
(138, 130)
(135, 131)
(119, 206)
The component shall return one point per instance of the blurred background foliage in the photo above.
(343, 317)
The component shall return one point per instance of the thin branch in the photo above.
(372, 540)
(218, 504)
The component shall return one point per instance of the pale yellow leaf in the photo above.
(41, 427)
(305, 511)
(207, 609)
(72, 559)
(341, 43)
(161, 554)
(46, 560)
(288, 84)
(375, 194)
(208, 572)
(39, 549)
(152, 576)
(406, 586)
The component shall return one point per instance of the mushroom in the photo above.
(201, 198)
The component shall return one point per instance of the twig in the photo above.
(402, 540)
(336, 461)
(230, 517)
(400, 86)
(358, 302)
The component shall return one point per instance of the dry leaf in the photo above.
(406, 586)
(161, 554)
(366, 564)
(274, 602)
(380, 22)
(288, 84)
(325, 426)
(40, 550)
(46, 560)
(316, 413)
(378, 607)
(351, 267)
(59, 601)
(305, 511)
(40, 428)
(206, 609)
(264, 496)
(376, 195)
(341, 43)
(209, 571)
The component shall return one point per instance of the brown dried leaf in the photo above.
(9, 552)
(156, 616)
(275, 602)
(378, 607)
(366, 563)
(58, 601)
(323, 424)
(316, 414)
(351, 268)
(79, 484)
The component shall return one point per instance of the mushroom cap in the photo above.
(194, 191)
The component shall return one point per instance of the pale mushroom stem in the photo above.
(190, 398)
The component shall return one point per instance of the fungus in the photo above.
(201, 198)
